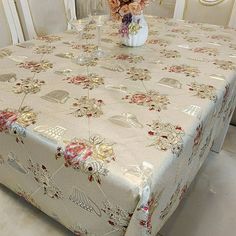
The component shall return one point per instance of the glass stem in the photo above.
(99, 38)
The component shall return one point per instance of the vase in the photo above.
(133, 30)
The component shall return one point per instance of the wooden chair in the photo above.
(10, 28)
(45, 16)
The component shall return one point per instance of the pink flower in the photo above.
(140, 98)
(6, 119)
(77, 152)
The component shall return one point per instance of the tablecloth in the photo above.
(110, 147)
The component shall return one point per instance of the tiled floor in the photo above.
(208, 210)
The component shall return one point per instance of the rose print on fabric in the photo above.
(203, 91)
(173, 201)
(44, 49)
(15, 122)
(160, 42)
(187, 70)
(90, 81)
(167, 136)
(151, 99)
(197, 141)
(88, 156)
(206, 50)
(89, 107)
(221, 37)
(131, 58)
(49, 38)
(170, 53)
(225, 65)
(36, 66)
(138, 74)
(45, 180)
(148, 210)
(118, 218)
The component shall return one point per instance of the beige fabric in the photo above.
(48, 16)
(218, 14)
(82, 7)
(161, 8)
(5, 33)
(111, 146)
(234, 119)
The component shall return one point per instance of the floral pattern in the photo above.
(203, 91)
(131, 58)
(187, 70)
(45, 180)
(49, 38)
(178, 77)
(220, 37)
(138, 74)
(170, 53)
(207, 50)
(88, 156)
(36, 66)
(225, 65)
(44, 49)
(85, 106)
(149, 208)
(88, 36)
(167, 137)
(28, 86)
(160, 42)
(173, 200)
(117, 217)
(152, 99)
(14, 122)
(90, 81)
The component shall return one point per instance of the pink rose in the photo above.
(140, 98)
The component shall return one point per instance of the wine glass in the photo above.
(99, 16)
(79, 25)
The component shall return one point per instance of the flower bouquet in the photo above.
(134, 28)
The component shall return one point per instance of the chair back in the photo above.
(162, 8)
(218, 12)
(45, 16)
(10, 28)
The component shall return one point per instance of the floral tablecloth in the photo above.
(111, 146)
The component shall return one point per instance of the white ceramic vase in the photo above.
(139, 38)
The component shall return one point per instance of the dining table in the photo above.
(111, 145)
